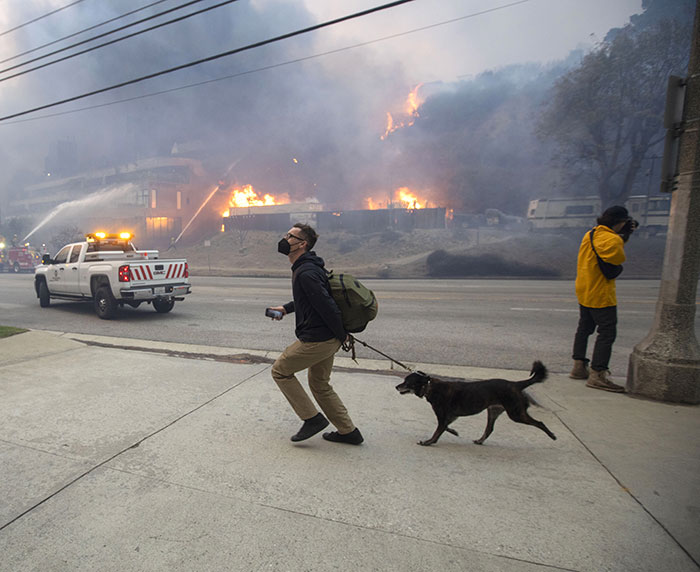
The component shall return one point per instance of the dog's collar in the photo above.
(426, 387)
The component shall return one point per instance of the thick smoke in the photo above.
(310, 129)
(326, 113)
(475, 145)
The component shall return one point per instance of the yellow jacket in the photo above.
(594, 290)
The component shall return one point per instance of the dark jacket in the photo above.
(317, 315)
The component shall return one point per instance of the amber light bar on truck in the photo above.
(93, 236)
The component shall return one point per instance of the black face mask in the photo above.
(283, 247)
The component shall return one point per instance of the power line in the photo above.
(40, 17)
(215, 57)
(180, 7)
(83, 31)
(271, 66)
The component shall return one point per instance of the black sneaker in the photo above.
(310, 427)
(352, 438)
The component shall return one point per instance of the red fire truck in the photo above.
(19, 259)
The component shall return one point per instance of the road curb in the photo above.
(194, 351)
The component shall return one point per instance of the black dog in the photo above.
(452, 399)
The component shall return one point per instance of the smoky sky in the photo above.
(325, 118)
(310, 129)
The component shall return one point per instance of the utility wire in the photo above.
(180, 7)
(83, 31)
(40, 17)
(271, 66)
(216, 57)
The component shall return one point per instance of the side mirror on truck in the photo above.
(46, 259)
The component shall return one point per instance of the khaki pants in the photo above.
(317, 357)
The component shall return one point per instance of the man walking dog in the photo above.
(601, 252)
(320, 334)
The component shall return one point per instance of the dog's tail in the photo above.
(537, 375)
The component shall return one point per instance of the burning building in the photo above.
(401, 211)
(152, 198)
(158, 199)
(164, 199)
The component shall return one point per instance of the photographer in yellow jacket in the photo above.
(601, 253)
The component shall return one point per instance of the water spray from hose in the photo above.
(214, 191)
(98, 198)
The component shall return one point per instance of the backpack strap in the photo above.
(609, 270)
(590, 235)
(345, 290)
(600, 260)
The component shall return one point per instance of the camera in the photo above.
(630, 226)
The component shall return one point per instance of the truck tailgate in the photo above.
(158, 270)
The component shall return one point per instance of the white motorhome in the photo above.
(568, 212)
(651, 212)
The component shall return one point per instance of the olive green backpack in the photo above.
(357, 303)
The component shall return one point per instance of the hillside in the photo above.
(393, 254)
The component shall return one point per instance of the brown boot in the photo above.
(599, 380)
(580, 370)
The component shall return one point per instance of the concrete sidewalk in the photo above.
(129, 455)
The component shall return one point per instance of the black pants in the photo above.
(606, 320)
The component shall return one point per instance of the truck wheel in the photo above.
(44, 298)
(163, 306)
(105, 304)
(15, 267)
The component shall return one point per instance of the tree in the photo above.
(17, 226)
(606, 115)
(66, 235)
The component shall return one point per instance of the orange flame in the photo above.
(248, 197)
(403, 198)
(406, 197)
(374, 205)
(410, 111)
(413, 102)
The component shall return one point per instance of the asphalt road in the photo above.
(485, 323)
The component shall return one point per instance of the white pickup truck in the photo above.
(108, 270)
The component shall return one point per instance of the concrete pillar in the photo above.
(666, 364)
